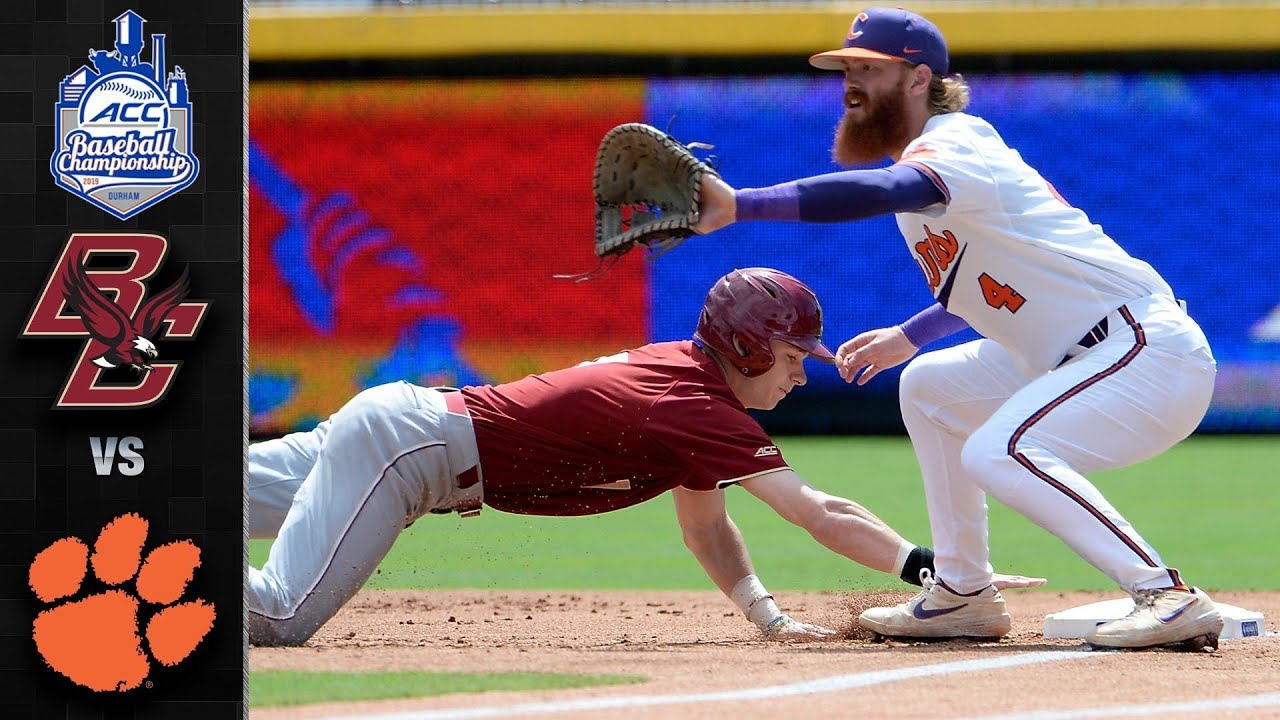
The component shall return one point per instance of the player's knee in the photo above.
(268, 632)
(918, 379)
(984, 454)
(918, 392)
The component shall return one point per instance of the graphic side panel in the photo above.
(122, 385)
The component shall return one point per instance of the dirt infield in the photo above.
(696, 645)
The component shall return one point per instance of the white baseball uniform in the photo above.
(1087, 361)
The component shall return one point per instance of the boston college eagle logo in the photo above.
(127, 339)
(109, 309)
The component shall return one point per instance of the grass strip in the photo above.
(279, 688)
(1207, 506)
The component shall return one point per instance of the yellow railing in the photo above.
(278, 33)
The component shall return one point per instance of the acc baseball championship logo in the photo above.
(120, 320)
(124, 129)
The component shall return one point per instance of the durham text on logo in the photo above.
(124, 129)
(111, 311)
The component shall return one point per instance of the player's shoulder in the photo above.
(958, 123)
(672, 359)
(955, 137)
(653, 355)
(953, 131)
(668, 368)
(673, 351)
(695, 379)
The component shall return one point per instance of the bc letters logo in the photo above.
(124, 128)
(118, 317)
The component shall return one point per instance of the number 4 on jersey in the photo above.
(998, 295)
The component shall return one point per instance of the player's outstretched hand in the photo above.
(717, 207)
(864, 356)
(784, 628)
(1004, 582)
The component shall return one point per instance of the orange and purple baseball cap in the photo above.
(889, 34)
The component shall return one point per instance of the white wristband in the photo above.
(904, 552)
(754, 601)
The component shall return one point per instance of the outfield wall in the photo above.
(409, 227)
(478, 29)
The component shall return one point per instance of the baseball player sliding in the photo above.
(600, 436)
(1087, 362)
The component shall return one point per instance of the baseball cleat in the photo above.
(1163, 616)
(938, 613)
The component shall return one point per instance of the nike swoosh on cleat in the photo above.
(921, 614)
(1173, 615)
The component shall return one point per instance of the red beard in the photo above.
(880, 132)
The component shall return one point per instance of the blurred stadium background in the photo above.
(420, 170)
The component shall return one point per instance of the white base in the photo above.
(1078, 621)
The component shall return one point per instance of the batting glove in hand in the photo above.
(787, 629)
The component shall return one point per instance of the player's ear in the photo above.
(921, 77)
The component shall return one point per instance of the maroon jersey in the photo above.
(614, 432)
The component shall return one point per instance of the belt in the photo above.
(456, 404)
(1096, 334)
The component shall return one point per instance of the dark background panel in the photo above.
(191, 484)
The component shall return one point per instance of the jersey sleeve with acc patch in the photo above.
(614, 432)
(714, 437)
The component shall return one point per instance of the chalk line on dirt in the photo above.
(1244, 702)
(834, 683)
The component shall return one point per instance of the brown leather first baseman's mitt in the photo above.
(648, 186)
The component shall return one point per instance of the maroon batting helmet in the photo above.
(747, 308)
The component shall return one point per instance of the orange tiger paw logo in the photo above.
(94, 641)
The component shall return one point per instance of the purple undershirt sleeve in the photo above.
(932, 323)
(780, 202)
(842, 196)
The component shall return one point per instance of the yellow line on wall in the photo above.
(514, 30)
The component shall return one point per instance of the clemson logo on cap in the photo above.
(855, 34)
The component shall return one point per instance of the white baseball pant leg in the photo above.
(981, 426)
(371, 469)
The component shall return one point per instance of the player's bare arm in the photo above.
(714, 539)
(719, 207)
(846, 527)
(867, 354)
(840, 524)
(876, 350)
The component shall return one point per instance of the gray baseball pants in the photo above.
(335, 499)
